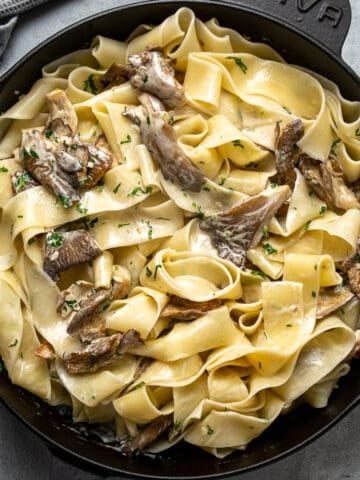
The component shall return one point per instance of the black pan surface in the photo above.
(81, 444)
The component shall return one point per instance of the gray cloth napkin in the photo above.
(9, 9)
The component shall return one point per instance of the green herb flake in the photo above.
(31, 241)
(121, 225)
(135, 192)
(222, 180)
(209, 430)
(273, 185)
(85, 179)
(71, 305)
(145, 78)
(239, 63)
(33, 154)
(313, 294)
(148, 272)
(15, 342)
(259, 273)
(49, 133)
(54, 239)
(206, 189)
(116, 189)
(260, 365)
(287, 110)
(323, 210)
(237, 143)
(357, 132)
(171, 120)
(64, 201)
(138, 385)
(148, 119)
(289, 325)
(269, 249)
(357, 257)
(81, 209)
(21, 181)
(89, 85)
(265, 233)
(156, 270)
(128, 140)
(3, 170)
(307, 225)
(334, 146)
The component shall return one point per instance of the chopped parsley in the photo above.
(259, 273)
(120, 225)
(89, 85)
(239, 63)
(357, 258)
(15, 342)
(313, 294)
(209, 430)
(54, 239)
(138, 385)
(150, 230)
(81, 209)
(307, 225)
(265, 233)
(135, 192)
(85, 179)
(3, 169)
(148, 119)
(334, 146)
(237, 143)
(171, 120)
(31, 241)
(116, 189)
(64, 201)
(145, 78)
(88, 224)
(50, 133)
(156, 270)
(287, 110)
(148, 272)
(323, 210)
(21, 181)
(128, 140)
(222, 180)
(269, 249)
(71, 305)
(273, 185)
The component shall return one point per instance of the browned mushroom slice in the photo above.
(151, 432)
(22, 180)
(351, 266)
(115, 75)
(99, 162)
(101, 352)
(150, 72)
(285, 149)
(142, 366)
(43, 165)
(235, 231)
(63, 120)
(160, 139)
(46, 351)
(328, 184)
(64, 249)
(183, 309)
(332, 298)
(94, 328)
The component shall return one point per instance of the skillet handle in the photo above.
(323, 21)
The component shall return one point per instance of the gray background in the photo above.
(23, 456)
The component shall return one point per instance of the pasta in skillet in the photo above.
(179, 236)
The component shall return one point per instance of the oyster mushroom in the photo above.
(101, 352)
(63, 120)
(183, 309)
(285, 149)
(332, 298)
(151, 432)
(65, 249)
(160, 139)
(328, 182)
(149, 72)
(59, 177)
(235, 231)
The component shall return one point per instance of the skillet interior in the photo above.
(288, 433)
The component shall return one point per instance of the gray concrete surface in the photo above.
(23, 456)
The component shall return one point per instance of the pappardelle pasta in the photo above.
(179, 236)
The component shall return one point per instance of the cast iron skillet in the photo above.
(306, 32)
